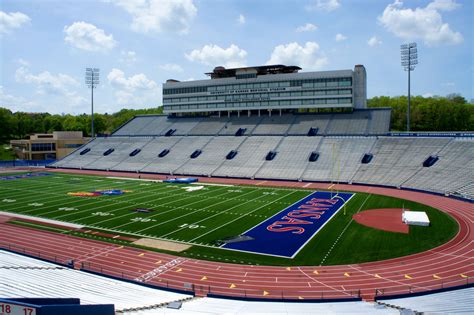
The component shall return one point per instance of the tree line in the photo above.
(450, 113)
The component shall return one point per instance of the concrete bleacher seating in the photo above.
(209, 127)
(451, 172)
(149, 154)
(339, 158)
(56, 282)
(450, 302)
(379, 120)
(303, 123)
(250, 157)
(353, 123)
(397, 161)
(214, 306)
(122, 147)
(212, 156)
(359, 122)
(291, 160)
(234, 123)
(179, 154)
(274, 125)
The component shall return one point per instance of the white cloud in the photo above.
(46, 82)
(443, 5)
(117, 78)
(213, 55)
(159, 15)
(374, 41)
(88, 37)
(171, 67)
(324, 5)
(59, 90)
(15, 103)
(340, 37)
(308, 56)
(428, 94)
(128, 57)
(425, 24)
(12, 20)
(23, 62)
(308, 27)
(241, 19)
(136, 90)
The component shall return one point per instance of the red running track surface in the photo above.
(447, 265)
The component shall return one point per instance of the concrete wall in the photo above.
(360, 87)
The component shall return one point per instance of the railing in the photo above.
(20, 163)
(426, 287)
(200, 288)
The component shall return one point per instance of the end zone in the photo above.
(287, 232)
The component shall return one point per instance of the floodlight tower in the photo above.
(92, 81)
(409, 54)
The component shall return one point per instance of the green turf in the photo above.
(205, 216)
(6, 152)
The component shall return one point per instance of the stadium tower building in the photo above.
(262, 89)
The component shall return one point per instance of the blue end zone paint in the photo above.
(288, 231)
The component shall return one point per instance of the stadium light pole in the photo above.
(92, 81)
(409, 58)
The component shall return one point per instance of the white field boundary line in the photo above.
(48, 195)
(160, 190)
(75, 199)
(60, 223)
(212, 184)
(302, 246)
(136, 179)
(219, 213)
(342, 232)
(243, 216)
(324, 224)
(132, 202)
(198, 210)
(158, 205)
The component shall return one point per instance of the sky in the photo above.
(46, 45)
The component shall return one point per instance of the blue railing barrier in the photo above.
(23, 163)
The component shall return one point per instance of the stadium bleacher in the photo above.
(458, 301)
(27, 277)
(340, 139)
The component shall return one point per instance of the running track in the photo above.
(447, 265)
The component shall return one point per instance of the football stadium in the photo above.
(259, 189)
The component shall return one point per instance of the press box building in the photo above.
(267, 88)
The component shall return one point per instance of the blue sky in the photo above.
(138, 44)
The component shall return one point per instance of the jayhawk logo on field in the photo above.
(108, 192)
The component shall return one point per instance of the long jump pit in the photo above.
(388, 219)
(160, 244)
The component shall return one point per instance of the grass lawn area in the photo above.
(204, 216)
(6, 154)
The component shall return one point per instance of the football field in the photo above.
(245, 224)
(192, 213)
